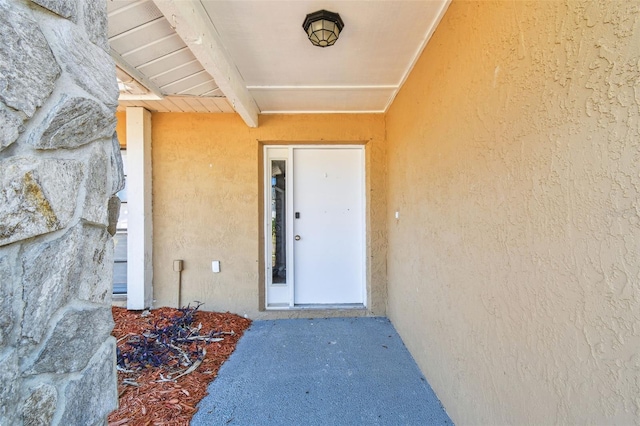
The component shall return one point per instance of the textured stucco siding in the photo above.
(514, 164)
(207, 202)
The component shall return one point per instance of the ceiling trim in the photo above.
(131, 97)
(201, 72)
(124, 9)
(177, 67)
(416, 56)
(148, 45)
(186, 91)
(192, 23)
(137, 29)
(162, 58)
(376, 111)
(350, 88)
(135, 74)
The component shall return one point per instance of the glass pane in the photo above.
(120, 239)
(123, 153)
(123, 222)
(123, 193)
(120, 278)
(120, 246)
(278, 222)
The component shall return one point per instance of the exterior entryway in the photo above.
(315, 226)
(328, 371)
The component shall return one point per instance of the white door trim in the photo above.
(289, 302)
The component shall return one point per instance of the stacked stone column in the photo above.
(60, 167)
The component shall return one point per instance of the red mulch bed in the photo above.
(170, 403)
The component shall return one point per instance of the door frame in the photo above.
(266, 213)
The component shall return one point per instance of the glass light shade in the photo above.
(323, 27)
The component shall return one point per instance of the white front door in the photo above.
(325, 228)
(328, 225)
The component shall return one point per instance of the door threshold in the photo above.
(306, 307)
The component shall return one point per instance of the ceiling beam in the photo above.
(136, 75)
(191, 21)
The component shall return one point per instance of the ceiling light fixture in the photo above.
(323, 27)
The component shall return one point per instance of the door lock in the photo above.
(297, 237)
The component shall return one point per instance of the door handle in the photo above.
(297, 237)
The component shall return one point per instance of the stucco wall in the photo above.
(207, 203)
(513, 161)
(121, 128)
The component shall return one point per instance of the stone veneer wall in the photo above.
(59, 168)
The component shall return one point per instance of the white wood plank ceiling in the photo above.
(171, 52)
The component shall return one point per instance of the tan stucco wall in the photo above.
(121, 128)
(207, 202)
(514, 164)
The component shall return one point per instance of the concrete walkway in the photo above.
(338, 371)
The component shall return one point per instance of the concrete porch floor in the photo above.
(333, 371)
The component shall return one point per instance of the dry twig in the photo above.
(171, 399)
